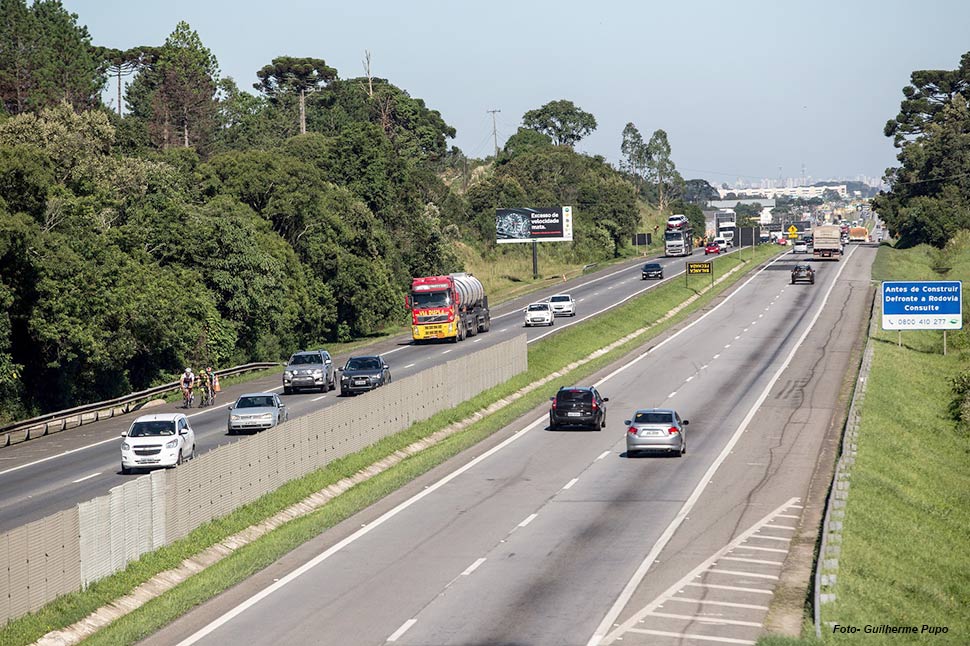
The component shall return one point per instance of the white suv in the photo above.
(563, 305)
(163, 440)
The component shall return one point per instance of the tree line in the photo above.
(183, 221)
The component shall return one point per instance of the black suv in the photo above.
(309, 369)
(578, 406)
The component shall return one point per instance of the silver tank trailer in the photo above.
(470, 290)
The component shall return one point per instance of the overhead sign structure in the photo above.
(922, 305)
(553, 224)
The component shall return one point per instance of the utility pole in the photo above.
(494, 131)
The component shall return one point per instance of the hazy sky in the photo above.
(742, 88)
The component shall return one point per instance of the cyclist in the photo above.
(187, 382)
(206, 383)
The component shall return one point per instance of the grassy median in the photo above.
(545, 357)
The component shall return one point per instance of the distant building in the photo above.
(804, 192)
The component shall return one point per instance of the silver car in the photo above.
(256, 411)
(656, 429)
(563, 305)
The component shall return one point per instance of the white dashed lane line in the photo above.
(474, 566)
(603, 455)
(528, 519)
(93, 475)
(403, 629)
(570, 484)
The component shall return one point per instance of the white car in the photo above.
(563, 305)
(721, 243)
(676, 222)
(539, 314)
(163, 440)
(799, 246)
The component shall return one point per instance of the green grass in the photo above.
(545, 357)
(904, 558)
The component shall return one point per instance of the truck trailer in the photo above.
(827, 241)
(451, 307)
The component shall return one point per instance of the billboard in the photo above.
(553, 224)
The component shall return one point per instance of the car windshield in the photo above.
(651, 267)
(302, 359)
(559, 299)
(673, 235)
(364, 363)
(653, 418)
(584, 396)
(152, 429)
(424, 300)
(539, 307)
(255, 402)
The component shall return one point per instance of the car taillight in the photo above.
(595, 406)
(673, 430)
(632, 430)
(553, 404)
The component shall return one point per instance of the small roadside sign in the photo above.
(792, 232)
(699, 268)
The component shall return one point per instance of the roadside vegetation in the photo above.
(545, 357)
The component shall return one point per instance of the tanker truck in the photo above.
(449, 307)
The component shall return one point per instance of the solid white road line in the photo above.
(648, 561)
(474, 566)
(741, 574)
(403, 629)
(708, 602)
(706, 620)
(85, 478)
(744, 560)
(762, 549)
(708, 638)
(733, 588)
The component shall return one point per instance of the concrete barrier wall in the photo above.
(101, 536)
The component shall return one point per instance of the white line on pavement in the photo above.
(403, 629)
(603, 455)
(316, 399)
(569, 485)
(85, 478)
(529, 519)
(474, 566)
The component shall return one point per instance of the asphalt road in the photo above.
(540, 537)
(42, 476)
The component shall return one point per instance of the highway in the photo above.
(56, 472)
(539, 537)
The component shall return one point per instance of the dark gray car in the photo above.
(652, 270)
(310, 370)
(255, 412)
(361, 374)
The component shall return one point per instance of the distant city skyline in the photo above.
(741, 88)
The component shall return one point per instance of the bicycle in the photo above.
(208, 397)
(187, 397)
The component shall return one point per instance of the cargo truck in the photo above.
(678, 242)
(450, 307)
(827, 241)
(858, 234)
(726, 224)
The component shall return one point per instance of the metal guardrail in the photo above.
(88, 413)
(590, 267)
(830, 547)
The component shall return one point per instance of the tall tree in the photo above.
(300, 75)
(661, 167)
(561, 120)
(175, 96)
(45, 58)
(635, 151)
(118, 63)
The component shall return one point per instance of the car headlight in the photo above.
(171, 444)
(287, 374)
(125, 446)
(317, 373)
(266, 417)
(234, 418)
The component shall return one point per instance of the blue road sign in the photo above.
(922, 305)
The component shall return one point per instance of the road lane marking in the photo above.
(782, 527)
(716, 356)
(670, 396)
(689, 378)
(529, 519)
(706, 620)
(726, 604)
(477, 340)
(410, 365)
(737, 337)
(744, 560)
(474, 566)
(569, 485)
(316, 399)
(773, 538)
(446, 351)
(86, 478)
(788, 516)
(762, 549)
(745, 329)
(708, 638)
(741, 574)
(733, 588)
(705, 366)
(628, 591)
(603, 455)
(403, 629)
(727, 346)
